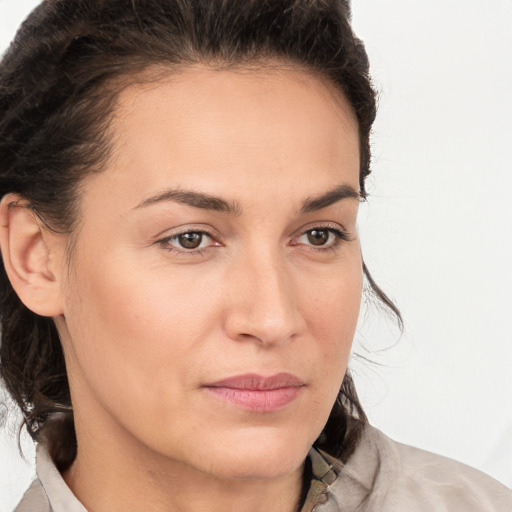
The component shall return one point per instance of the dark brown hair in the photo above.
(59, 81)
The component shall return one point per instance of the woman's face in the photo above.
(214, 287)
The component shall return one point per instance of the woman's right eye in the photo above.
(188, 242)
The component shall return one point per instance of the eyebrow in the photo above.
(217, 204)
(341, 192)
(194, 199)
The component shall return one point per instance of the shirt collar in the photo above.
(58, 493)
(324, 475)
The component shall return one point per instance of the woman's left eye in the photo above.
(322, 237)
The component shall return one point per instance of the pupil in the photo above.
(190, 240)
(318, 236)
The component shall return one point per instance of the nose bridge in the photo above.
(265, 305)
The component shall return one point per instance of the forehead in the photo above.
(231, 131)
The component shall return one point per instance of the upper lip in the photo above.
(252, 381)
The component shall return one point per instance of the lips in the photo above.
(257, 393)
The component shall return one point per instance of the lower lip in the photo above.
(257, 400)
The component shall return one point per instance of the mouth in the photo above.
(257, 393)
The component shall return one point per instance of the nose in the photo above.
(264, 303)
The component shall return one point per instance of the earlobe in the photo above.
(27, 257)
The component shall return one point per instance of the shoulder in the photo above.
(48, 492)
(391, 477)
(34, 499)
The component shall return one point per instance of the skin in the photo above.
(146, 324)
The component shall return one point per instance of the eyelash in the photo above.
(165, 242)
(339, 234)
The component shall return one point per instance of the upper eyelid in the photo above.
(175, 236)
(214, 234)
(184, 232)
(174, 232)
(340, 235)
(336, 226)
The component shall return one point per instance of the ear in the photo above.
(30, 254)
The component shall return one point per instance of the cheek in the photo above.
(332, 304)
(133, 336)
(331, 307)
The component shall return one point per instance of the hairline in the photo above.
(154, 73)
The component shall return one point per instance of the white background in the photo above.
(436, 232)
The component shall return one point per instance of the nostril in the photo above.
(250, 325)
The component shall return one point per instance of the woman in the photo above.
(182, 280)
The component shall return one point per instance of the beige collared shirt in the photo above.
(381, 476)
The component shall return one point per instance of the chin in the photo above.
(260, 457)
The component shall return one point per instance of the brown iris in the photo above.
(318, 236)
(190, 240)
